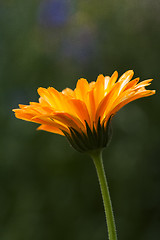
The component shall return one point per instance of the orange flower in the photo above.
(83, 115)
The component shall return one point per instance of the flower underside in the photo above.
(96, 138)
(83, 115)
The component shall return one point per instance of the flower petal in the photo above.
(99, 90)
(81, 89)
(81, 110)
(69, 92)
(109, 82)
(131, 84)
(68, 120)
(125, 78)
(51, 129)
(107, 101)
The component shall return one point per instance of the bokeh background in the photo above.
(47, 189)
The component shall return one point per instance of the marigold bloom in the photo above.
(83, 115)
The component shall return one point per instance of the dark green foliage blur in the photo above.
(47, 189)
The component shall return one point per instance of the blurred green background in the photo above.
(47, 189)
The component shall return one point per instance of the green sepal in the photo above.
(78, 138)
(71, 141)
(96, 138)
(90, 135)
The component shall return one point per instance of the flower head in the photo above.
(84, 114)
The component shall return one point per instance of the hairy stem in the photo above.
(98, 162)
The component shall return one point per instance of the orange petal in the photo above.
(107, 101)
(125, 78)
(81, 110)
(92, 105)
(99, 90)
(69, 120)
(91, 85)
(43, 102)
(51, 96)
(110, 81)
(81, 89)
(68, 92)
(131, 98)
(50, 121)
(23, 115)
(131, 84)
(43, 92)
(49, 128)
(22, 106)
(144, 83)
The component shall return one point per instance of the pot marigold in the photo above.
(84, 114)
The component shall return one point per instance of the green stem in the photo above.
(97, 159)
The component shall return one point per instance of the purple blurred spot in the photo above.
(54, 13)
